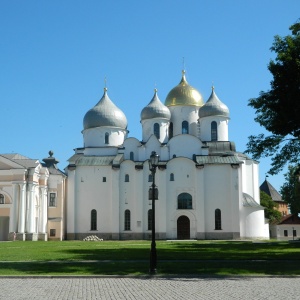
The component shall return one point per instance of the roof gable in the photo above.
(270, 190)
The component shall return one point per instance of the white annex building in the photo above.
(206, 189)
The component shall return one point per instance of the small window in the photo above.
(185, 201)
(103, 179)
(285, 233)
(126, 178)
(52, 232)
(127, 220)
(106, 138)
(93, 219)
(214, 131)
(218, 220)
(170, 130)
(2, 199)
(150, 219)
(131, 156)
(156, 130)
(172, 177)
(294, 232)
(52, 200)
(185, 127)
(150, 178)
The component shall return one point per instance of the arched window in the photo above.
(170, 130)
(106, 138)
(185, 201)
(214, 131)
(1, 199)
(93, 219)
(218, 219)
(156, 130)
(131, 156)
(185, 127)
(172, 177)
(126, 178)
(150, 178)
(150, 219)
(127, 220)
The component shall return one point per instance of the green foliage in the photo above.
(278, 109)
(270, 212)
(290, 190)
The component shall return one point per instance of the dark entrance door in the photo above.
(183, 228)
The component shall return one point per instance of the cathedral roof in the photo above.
(155, 109)
(184, 94)
(213, 107)
(105, 113)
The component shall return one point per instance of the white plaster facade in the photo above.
(207, 190)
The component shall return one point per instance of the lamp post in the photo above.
(153, 163)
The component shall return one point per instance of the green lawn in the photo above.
(132, 257)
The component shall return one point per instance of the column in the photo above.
(31, 209)
(22, 208)
(43, 210)
(13, 220)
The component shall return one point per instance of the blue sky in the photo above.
(55, 56)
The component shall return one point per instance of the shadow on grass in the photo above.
(193, 251)
(211, 268)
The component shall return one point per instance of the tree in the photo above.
(290, 190)
(278, 110)
(270, 212)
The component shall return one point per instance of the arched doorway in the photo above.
(183, 228)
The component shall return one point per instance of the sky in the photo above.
(57, 56)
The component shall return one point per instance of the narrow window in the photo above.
(184, 201)
(52, 200)
(127, 220)
(106, 138)
(170, 130)
(294, 232)
(172, 177)
(52, 232)
(93, 219)
(156, 130)
(126, 178)
(1, 199)
(214, 131)
(131, 156)
(103, 179)
(185, 127)
(218, 220)
(150, 178)
(285, 233)
(150, 219)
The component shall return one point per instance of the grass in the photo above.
(132, 257)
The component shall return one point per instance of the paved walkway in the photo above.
(163, 288)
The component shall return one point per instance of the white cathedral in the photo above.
(206, 189)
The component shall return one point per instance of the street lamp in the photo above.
(153, 163)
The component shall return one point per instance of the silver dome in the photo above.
(213, 107)
(105, 113)
(155, 109)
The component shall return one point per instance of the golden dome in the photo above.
(184, 94)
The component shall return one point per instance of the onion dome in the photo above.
(105, 113)
(155, 109)
(213, 107)
(184, 94)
